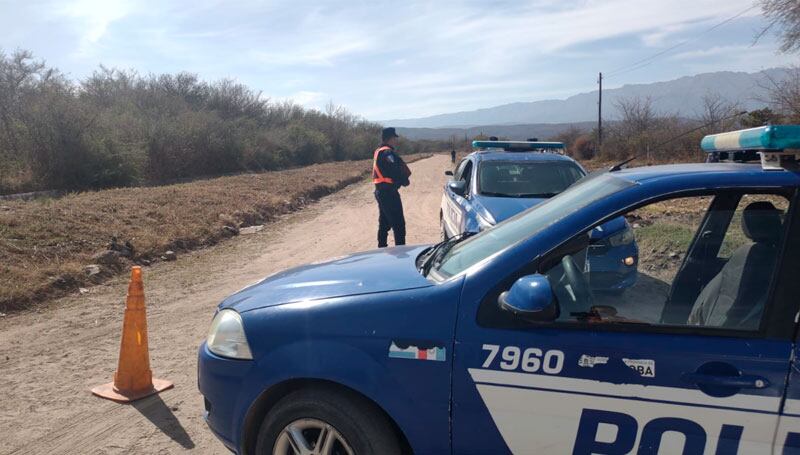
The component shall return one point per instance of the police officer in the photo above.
(389, 173)
(453, 156)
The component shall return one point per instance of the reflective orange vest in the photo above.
(377, 177)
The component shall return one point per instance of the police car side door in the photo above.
(453, 211)
(615, 388)
(787, 437)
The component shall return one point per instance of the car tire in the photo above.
(441, 228)
(363, 428)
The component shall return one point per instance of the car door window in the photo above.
(460, 169)
(466, 174)
(696, 261)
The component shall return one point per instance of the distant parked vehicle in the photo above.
(503, 178)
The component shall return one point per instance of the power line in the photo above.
(646, 61)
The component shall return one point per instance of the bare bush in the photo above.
(118, 128)
(584, 147)
(783, 95)
(718, 114)
(785, 16)
(568, 138)
(649, 135)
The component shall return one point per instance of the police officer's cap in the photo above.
(388, 133)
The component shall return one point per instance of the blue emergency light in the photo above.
(769, 137)
(778, 145)
(518, 146)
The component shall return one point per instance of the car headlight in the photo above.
(226, 337)
(624, 237)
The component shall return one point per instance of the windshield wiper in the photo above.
(440, 249)
(428, 259)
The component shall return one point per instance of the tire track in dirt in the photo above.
(50, 359)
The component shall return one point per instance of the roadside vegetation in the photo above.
(661, 137)
(119, 128)
(52, 246)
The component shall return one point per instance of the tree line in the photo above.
(119, 128)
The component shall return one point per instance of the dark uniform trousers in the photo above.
(391, 215)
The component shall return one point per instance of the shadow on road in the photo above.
(157, 412)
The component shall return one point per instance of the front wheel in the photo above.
(442, 229)
(325, 422)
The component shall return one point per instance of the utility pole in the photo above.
(600, 112)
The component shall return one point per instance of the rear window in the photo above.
(527, 179)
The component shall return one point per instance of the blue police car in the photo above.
(496, 343)
(503, 178)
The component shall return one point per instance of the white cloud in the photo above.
(93, 18)
(720, 51)
(312, 54)
(735, 57)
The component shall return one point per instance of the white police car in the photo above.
(496, 343)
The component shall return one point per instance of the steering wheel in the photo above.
(581, 293)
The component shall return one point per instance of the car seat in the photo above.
(735, 297)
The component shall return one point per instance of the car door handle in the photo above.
(746, 381)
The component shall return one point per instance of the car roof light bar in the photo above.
(518, 146)
(778, 145)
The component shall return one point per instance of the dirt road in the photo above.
(50, 359)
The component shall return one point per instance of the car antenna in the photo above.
(619, 165)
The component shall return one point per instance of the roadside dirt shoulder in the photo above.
(50, 359)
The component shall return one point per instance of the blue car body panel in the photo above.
(338, 322)
(362, 273)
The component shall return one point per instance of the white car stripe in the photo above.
(673, 395)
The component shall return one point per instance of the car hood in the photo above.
(387, 269)
(501, 208)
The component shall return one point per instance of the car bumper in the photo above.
(221, 381)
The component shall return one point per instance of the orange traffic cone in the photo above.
(133, 379)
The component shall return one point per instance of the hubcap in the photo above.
(310, 437)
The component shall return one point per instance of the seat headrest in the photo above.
(761, 222)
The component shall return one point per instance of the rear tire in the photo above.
(357, 425)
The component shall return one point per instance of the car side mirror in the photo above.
(450, 173)
(458, 186)
(530, 298)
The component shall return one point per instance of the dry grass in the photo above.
(46, 244)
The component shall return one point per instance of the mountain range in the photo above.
(682, 96)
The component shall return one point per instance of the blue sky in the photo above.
(384, 59)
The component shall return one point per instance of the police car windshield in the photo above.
(527, 224)
(526, 179)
